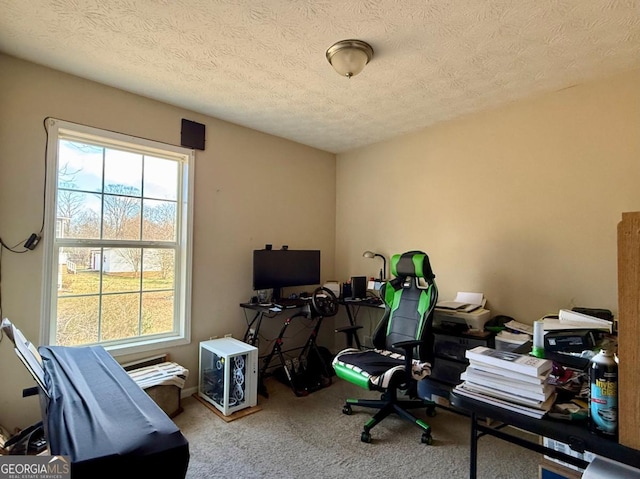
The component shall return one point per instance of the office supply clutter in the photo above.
(513, 336)
(509, 380)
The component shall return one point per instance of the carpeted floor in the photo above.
(293, 437)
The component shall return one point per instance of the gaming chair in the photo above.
(403, 343)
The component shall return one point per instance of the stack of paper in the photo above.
(519, 327)
(568, 320)
(516, 332)
(513, 381)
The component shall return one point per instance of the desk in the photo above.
(291, 369)
(352, 306)
(256, 321)
(576, 435)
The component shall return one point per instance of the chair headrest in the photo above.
(414, 264)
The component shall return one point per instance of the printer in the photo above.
(466, 311)
(473, 320)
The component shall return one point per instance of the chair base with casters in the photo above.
(389, 402)
(403, 351)
(390, 405)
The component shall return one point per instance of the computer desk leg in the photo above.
(252, 340)
(473, 454)
(354, 335)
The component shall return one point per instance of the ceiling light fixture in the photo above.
(349, 57)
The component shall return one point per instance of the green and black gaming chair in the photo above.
(403, 342)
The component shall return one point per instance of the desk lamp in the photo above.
(383, 270)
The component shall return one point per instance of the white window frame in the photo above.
(181, 335)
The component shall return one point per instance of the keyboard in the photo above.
(374, 301)
(286, 303)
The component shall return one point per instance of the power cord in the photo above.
(32, 241)
(13, 248)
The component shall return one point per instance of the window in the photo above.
(118, 223)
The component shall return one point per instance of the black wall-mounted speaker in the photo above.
(192, 134)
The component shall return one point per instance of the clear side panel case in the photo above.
(212, 376)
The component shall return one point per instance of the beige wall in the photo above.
(245, 183)
(520, 203)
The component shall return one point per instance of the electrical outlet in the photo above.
(250, 336)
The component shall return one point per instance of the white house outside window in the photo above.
(118, 223)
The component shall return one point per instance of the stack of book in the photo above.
(517, 382)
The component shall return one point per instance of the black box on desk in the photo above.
(447, 371)
(455, 346)
(569, 341)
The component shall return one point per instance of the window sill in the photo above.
(144, 346)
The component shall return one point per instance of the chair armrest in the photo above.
(407, 346)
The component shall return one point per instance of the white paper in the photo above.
(572, 320)
(567, 315)
(470, 298)
(466, 302)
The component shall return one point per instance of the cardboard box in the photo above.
(167, 397)
(564, 448)
(551, 470)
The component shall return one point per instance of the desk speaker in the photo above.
(192, 134)
(358, 287)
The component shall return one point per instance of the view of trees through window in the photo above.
(116, 246)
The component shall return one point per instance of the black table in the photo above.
(352, 306)
(574, 434)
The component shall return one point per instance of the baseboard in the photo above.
(189, 392)
(232, 417)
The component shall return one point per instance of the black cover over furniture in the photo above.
(403, 343)
(104, 421)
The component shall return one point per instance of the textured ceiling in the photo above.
(261, 63)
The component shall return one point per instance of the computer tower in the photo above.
(228, 374)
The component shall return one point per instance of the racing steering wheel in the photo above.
(324, 302)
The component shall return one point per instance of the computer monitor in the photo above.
(276, 269)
